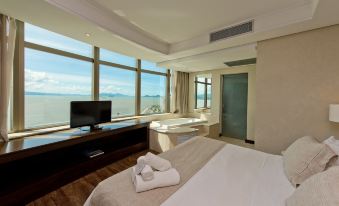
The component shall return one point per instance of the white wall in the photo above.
(297, 79)
(215, 111)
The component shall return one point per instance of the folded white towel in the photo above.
(161, 179)
(147, 173)
(140, 165)
(157, 162)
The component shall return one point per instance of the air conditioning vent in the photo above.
(232, 31)
(241, 62)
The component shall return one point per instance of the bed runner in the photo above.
(188, 158)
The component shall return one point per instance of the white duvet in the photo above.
(236, 176)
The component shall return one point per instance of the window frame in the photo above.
(204, 83)
(18, 106)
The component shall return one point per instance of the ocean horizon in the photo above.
(43, 108)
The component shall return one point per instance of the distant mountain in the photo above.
(101, 94)
(201, 96)
(113, 95)
(151, 96)
(59, 94)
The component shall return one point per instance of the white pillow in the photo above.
(333, 143)
(304, 158)
(319, 190)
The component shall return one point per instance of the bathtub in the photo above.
(175, 123)
(166, 134)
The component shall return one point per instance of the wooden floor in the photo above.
(76, 193)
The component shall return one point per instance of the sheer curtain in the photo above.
(181, 92)
(7, 46)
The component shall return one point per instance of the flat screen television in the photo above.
(90, 113)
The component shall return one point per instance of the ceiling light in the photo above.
(87, 34)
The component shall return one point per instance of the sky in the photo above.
(50, 73)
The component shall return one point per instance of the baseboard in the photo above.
(248, 141)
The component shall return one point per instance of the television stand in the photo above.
(91, 128)
(33, 166)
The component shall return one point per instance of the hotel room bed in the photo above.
(212, 173)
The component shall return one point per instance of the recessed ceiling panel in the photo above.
(179, 20)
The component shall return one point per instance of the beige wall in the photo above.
(215, 112)
(297, 79)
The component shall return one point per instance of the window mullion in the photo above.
(138, 89)
(196, 93)
(57, 51)
(205, 100)
(168, 90)
(95, 74)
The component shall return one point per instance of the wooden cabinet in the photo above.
(33, 166)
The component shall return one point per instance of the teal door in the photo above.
(234, 105)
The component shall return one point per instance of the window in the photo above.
(153, 88)
(37, 35)
(200, 101)
(203, 92)
(59, 69)
(116, 58)
(118, 85)
(153, 93)
(51, 83)
(209, 91)
(146, 65)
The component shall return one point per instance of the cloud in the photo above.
(116, 82)
(112, 85)
(37, 80)
(113, 89)
(110, 89)
(37, 76)
(47, 82)
(62, 83)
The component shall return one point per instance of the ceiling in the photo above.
(178, 20)
(175, 33)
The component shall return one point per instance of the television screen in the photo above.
(90, 113)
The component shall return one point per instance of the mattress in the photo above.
(212, 174)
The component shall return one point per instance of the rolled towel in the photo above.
(140, 165)
(161, 179)
(147, 173)
(157, 162)
(141, 160)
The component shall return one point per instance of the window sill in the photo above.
(40, 131)
(202, 109)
